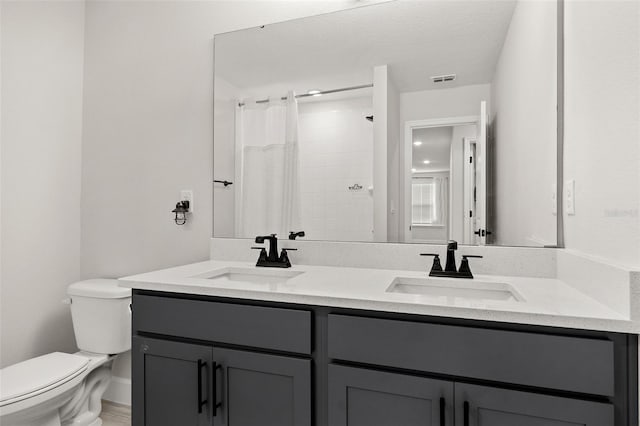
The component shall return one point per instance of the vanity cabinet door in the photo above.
(171, 383)
(487, 406)
(362, 397)
(255, 389)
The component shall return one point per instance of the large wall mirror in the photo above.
(403, 121)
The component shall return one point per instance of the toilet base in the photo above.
(85, 406)
(75, 403)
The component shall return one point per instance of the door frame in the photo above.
(469, 196)
(409, 127)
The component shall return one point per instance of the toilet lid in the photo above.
(35, 374)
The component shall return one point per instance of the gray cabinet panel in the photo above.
(262, 390)
(362, 397)
(489, 406)
(280, 329)
(540, 360)
(165, 383)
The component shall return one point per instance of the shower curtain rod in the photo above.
(324, 92)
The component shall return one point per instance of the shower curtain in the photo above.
(267, 164)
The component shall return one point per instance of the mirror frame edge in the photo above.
(560, 127)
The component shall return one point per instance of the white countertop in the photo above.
(547, 301)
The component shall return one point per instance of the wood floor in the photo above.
(115, 414)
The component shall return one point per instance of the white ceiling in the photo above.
(416, 38)
(436, 147)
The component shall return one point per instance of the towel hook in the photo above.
(224, 182)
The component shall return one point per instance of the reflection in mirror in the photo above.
(396, 122)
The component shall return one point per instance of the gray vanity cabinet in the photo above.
(209, 361)
(183, 381)
(173, 387)
(262, 390)
(198, 363)
(488, 406)
(364, 397)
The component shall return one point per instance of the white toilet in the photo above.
(66, 389)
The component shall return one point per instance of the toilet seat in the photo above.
(39, 375)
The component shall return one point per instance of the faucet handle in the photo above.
(262, 256)
(284, 257)
(465, 271)
(437, 267)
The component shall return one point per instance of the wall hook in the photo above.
(224, 182)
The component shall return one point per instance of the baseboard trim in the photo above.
(119, 391)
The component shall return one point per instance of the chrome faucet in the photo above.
(271, 259)
(450, 269)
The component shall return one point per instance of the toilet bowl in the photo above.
(66, 389)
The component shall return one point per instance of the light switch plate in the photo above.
(187, 195)
(570, 197)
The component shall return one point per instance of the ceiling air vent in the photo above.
(443, 78)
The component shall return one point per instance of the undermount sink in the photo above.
(471, 290)
(250, 275)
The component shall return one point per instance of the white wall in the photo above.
(42, 59)
(336, 151)
(602, 128)
(148, 126)
(523, 120)
(443, 103)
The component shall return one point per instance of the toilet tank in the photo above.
(101, 314)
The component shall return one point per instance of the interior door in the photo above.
(255, 389)
(487, 406)
(363, 397)
(481, 177)
(171, 383)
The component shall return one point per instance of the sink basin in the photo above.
(250, 275)
(470, 290)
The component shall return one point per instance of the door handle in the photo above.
(216, 404)
(442, 408)
(482, 232)
(466, 414)
(201, 403)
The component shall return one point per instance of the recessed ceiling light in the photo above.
(417, 143)
(413, 170)
(427, 162)
(315, 92)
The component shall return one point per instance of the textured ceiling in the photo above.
(436, 147)
(416, 38)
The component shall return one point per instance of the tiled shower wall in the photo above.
(336, 152)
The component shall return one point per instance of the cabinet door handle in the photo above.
(442, 408)
(216, 404)
(201, 403)
(466, 413)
